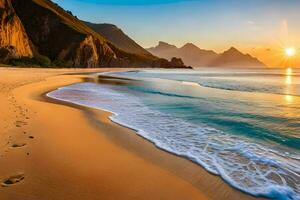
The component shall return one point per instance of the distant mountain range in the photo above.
(196, 57)
(39, 32)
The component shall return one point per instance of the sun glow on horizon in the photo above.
(290, 51)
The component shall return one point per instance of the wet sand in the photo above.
(54, 150)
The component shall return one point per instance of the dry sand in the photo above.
(50, 150)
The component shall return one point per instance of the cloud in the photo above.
(285, 29)
(254, 26)
(250, 22)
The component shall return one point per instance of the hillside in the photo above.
(118, 38)
(196, 57)
(48, 35)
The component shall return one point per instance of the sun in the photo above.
(290, 51)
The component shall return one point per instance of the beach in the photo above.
(55, 150)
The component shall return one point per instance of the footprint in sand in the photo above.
(18, 145)
(20, 123)
(13, 180)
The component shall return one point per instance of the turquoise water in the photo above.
(241, 125)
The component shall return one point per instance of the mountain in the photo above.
(190, 53)
(234, 58)
(39, 31)
(118, 38)
(163, 47)
(194, 56)
(164, 50)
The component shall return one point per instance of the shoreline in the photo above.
(190, 179)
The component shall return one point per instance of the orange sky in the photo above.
(273, 52)
(275, 57)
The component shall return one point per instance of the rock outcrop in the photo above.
(14, 42)
(177, 62)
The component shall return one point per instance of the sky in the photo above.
(262, 28)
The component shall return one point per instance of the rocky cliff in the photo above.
(14, 41)
(43, 30)
(60, 36)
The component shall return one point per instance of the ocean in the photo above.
(242, 125)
